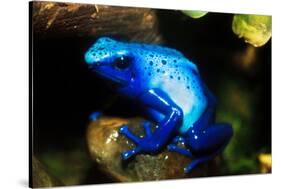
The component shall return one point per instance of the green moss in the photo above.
(236, 106)
(70, 166)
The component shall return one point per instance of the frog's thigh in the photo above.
(211, 139)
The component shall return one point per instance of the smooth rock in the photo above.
(105, 145)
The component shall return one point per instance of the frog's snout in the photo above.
(89, 58)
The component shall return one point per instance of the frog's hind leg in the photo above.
(206, 144)
(201, 159)
(204, 139)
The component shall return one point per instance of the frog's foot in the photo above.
(173, 147)
(196, 162)
(143, 144)
(183, 151)
(95, 115)
(186, 152)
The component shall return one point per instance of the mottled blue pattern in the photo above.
(169, 88)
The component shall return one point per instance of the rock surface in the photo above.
(105, 145)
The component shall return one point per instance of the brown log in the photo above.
(52, 19)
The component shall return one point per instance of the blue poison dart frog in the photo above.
(169, 89)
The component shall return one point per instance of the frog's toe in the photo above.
(125, 131)
(171, 147)
(188, 169)
(175, 148)
(127, 154)
(197, 161)
(147, 128)
(179, 139)
(191, 166)
(95, 115)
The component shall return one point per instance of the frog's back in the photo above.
(170, 71)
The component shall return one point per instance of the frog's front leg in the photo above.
(166, 128)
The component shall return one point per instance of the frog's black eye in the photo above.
(122, 62)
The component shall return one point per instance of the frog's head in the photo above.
(113, 61)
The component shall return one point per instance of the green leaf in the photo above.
(255, 29)
(195, 14)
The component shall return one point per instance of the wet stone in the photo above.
(105, 145)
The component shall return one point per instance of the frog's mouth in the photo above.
(114, 79)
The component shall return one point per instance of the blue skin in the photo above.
(168, 87)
